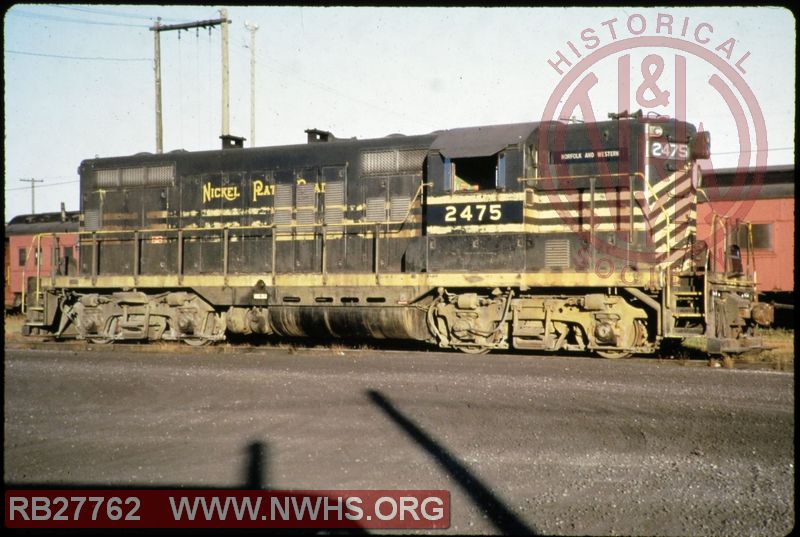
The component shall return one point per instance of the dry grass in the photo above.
(12, 326)
(778, 352)
(780, 349)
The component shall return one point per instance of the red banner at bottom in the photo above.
(378, 509)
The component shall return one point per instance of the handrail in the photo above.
(596, 175)
(267, 226)
(35, 240)
(584, 176)
(225, 229)
(721, 222)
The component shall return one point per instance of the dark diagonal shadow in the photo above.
(500, 516)
(255, 477)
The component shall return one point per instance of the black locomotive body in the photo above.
(542, 236)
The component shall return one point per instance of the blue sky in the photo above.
(79, 79)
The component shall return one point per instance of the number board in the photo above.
(477, 213)
(667, 150)
(584, 156)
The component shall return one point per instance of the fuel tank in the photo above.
(395, 322)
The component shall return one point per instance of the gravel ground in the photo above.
(551, 445)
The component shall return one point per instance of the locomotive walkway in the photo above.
(525, 444)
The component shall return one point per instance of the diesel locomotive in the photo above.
(542, 236)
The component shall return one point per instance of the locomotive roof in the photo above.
(729, 184)
(481, 141)
(30, 224)
(749, 192)
(778, 174)
(454, 143)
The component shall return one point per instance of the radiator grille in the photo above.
(139, 176)
(161, 176)
(134, 176)
(410, 160)
(392, 161)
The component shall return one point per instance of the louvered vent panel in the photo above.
(376, 210)
(283, 205)
(398, 208)
(306, 206)
(334, 205)
(134, 176)
(92, 219)
(106, 178)
(556, 253)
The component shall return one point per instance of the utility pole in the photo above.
(252, 27)
(223, 15)
(159, 132)
(157, 28)
(33, 195)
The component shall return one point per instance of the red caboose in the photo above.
(29, 236)
(765, 198)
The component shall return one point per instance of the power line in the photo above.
(55, 18)
(33, 192)
(55, 177)
(48, 185)
(93, 58)
(333, 91)
(157, 29)
(111, 13)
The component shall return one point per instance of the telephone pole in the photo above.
(223, 14)
(33, 195)
(157, 28)
(252, 27)
(157, 67)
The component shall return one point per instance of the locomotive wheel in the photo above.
(196, 342)
(475, 350)
(110, 328)
(636, 336)
(614, 355)
(210, 325)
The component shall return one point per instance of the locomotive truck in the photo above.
(540, 236)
